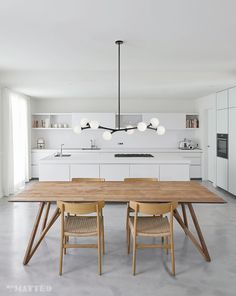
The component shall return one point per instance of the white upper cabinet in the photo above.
(222, 100)
(168, 120)
(104, 119)
(232, 97)
(222, 121)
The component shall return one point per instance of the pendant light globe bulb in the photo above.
(161, 130)
(142, 126)
(77, 129)
(154, 122)
(94, 124)
(83, 122)
(107, 136)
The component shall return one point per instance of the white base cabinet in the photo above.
(170, 172)
(195, 171)
(195, 159)
(195, 165)
(55, 172)
(144, 171)
(114, 172)
(84, 171)
(136, 170)
(36, 155)
(34, 171)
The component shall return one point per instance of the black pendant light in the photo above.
(107, 135)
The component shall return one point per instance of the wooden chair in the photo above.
(129, 210)
(81, 225)
(155, 225)
(78, 180)
(88, 179)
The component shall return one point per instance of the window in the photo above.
(15, 144)
(20, 139)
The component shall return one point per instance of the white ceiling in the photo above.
(65, 48)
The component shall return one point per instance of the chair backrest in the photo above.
(153, 208)
(80, 208)
(140, 179)
(88, 179)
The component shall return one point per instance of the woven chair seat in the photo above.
(151, 226)
(81, 225)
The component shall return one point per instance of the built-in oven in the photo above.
(222, 145)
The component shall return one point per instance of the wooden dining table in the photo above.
(185, 193)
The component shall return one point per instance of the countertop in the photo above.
(109, 158)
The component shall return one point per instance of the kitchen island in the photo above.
(112, 168)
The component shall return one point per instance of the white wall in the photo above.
(149, 139)
(138, 140)
(1, 123)
(203, 105)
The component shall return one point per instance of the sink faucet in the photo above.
(61, 153)
(93, 145)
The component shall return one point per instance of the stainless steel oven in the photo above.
(222, 145)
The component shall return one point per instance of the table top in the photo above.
(118, 191)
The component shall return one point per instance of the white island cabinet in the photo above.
(114, 172)
(84, 171)
(36, 156)
(106, 165)
(144, 171)
(56, 172)
(174, 172)
(135, 170)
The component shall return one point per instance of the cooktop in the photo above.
(133, 155)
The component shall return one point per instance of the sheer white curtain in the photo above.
(16, 140)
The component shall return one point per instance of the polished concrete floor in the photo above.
(194, 276)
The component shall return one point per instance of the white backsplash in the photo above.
(148, 139)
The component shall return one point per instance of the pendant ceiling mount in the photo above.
(108, 131)
(119, 42)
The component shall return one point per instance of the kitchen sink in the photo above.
(63, 155)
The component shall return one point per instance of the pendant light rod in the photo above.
(119, 42)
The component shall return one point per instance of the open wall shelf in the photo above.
(51, 121)
(192, 121)
(66, 121)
